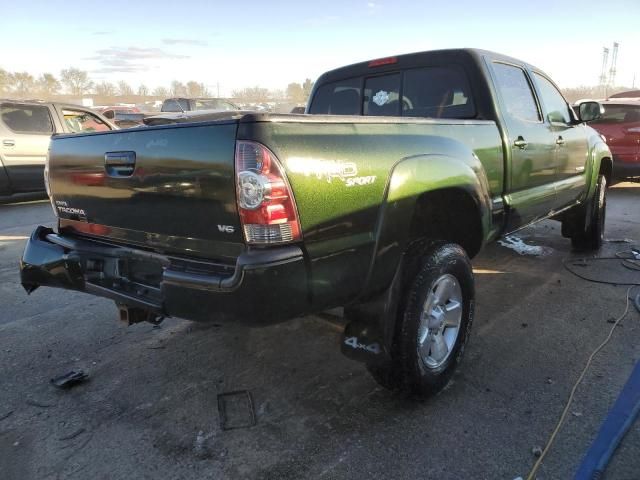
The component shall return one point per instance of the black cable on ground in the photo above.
(628, 261)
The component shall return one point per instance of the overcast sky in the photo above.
(271, 43)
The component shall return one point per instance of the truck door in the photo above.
(25, 135)
(531, 163)
(570, 142)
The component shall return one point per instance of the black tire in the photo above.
(592, 237)
(424, 267)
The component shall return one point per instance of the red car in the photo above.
(620, 125)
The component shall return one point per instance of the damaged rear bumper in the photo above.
(263, 287)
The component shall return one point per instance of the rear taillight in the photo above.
(265, 202)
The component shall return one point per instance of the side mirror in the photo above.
(590, 111)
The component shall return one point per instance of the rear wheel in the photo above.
(591, 237)
(433, 323)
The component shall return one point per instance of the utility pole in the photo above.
(614, 60)
(603, 71)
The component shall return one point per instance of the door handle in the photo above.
(560, 141)
(9, 143)
(521, 143)
(120, 164)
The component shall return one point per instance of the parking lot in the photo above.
(150, 406)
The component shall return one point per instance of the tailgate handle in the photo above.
(120, 164)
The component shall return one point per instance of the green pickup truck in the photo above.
(375, 199)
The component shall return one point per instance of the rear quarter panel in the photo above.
(340, 174)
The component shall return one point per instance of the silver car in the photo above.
(25, 131)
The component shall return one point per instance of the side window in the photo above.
(554, 103)
(26, 118)
(516, 92)
(337, 98)
(382, 95)
(110, 114)
(79, 121)
(439, 92)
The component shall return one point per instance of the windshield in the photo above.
(620, 114)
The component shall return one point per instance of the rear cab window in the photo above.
(432, 92)
(32, 119)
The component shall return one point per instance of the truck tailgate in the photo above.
(168, 188)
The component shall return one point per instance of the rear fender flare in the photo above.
(597, 152)
(410, 178)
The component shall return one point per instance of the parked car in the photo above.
(180, 104)
(627, 94)
(123, 117)
(25, 131)
(620, 125)
(376, 201)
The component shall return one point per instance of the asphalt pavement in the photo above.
(151, 406)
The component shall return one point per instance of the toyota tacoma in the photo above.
(375, 200)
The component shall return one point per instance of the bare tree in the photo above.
(48, 85)
(77, 81)
(6, 80)
(160, 92)
(178, 89)
(195, 89)
(295, 93)
(253, 94)
(143, 90)
(105, 89)
(23, 84)
(124, 89)
(307, 86)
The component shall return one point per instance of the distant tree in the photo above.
(178, 89)
(253, 94)
(195, 89)
(6, 81)
(24, 84)
(105, 89)
(77, 81)
(307, 86)
(48, 85)
(598, 92)
(124, 89)
(295, 93)
(143, 90)
(278, 95)
(160, 92)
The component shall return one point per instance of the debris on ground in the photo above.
(236, 410)
(537, 451)
(69, 379)
(619, 240)
(519, 246)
